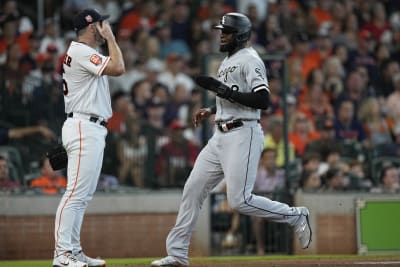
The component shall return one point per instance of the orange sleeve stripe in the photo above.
(104, 66)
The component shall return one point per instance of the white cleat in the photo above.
(302, 228)
(67, 260)
(168, 261)
(91, 262)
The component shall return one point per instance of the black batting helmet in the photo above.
(236, 23)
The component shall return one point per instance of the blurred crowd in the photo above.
(341, 95)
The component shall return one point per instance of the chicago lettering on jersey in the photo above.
(225, 72)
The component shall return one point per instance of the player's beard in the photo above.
(228, 47)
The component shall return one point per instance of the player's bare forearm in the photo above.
(116, 66)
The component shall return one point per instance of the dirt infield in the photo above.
(357, 262)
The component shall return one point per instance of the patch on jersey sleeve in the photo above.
(259, 74)
(95, 59)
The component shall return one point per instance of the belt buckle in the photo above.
(224, 127)
(93, 119)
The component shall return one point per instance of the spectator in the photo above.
(152, 69)
(168, 45)
(384, 83)
(107, 183)
(300, 48)
(310, 181)
(334, 74)
(141, 94)
(389, 180)
(180, 22)
(10, 7)
(356, 90)
(275, 87)
(392, 106)
(6, 183)
(347, 127)
(51, 39)
(133, 73)
(330, 158)
(21, 132)
(176, 157)
(10, 35)
(269, 176)
(363, 53)
(314, 78)
(378, 23)
(301, 132)
(123, 109)
(274, 139)
(358, 177)
(322, 12)
(50, 182)
(378, 128)
(316, 104)
(316, 57)
(12, 102)
(311, 162)
(111, 7)
(142, 15)
(334, 180)
(132, 152)
(269, 179)
(327, 140)
(178, 106)
(173, 74)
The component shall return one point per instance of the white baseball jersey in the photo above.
(245, 72)
(85, 90)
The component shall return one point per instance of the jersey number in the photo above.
(67, 61)
(65, 87)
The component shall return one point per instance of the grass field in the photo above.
(245, 261)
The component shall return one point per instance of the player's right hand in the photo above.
(201, 114)
(104, 29)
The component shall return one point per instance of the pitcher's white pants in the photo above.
(84, 142)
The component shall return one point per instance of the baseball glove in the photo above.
(214, 85)
(58, 157)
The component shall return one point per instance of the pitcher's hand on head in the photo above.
(104, 28)
(201, 114)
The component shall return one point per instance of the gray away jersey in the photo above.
(245, 72)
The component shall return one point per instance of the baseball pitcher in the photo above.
(88, 107)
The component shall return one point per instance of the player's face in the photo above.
(227, 42)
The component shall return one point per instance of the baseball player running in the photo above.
(233, 151)
(88, 106)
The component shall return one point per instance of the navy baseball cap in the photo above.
(87, 17)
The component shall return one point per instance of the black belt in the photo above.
(227, 126)
(92, 119)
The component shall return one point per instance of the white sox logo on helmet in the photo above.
(223, 20)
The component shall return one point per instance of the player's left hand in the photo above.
(214, 85)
